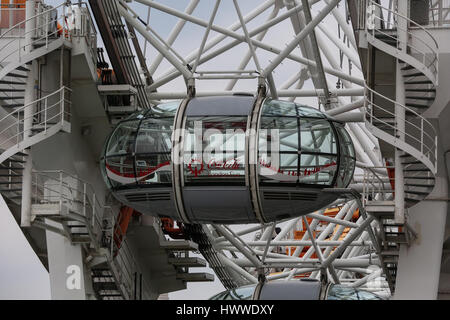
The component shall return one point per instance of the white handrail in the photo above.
(433, 63)
(57, 186)
(40, 25)
(421, 135)
(50, 112)
(31, 18)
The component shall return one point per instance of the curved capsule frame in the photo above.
(177, 152)
(252, 156)
(251, 152)
(251, 179)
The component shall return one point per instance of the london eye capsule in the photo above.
(228, 159)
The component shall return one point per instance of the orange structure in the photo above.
(168, 227)
(121, 227)
(11, 13)
(332, 212)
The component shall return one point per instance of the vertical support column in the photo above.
(66, 268)
(28, 116)
(400, 125)
(419, 264)
(29, 24)
(400, 114)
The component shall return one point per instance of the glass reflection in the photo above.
(297, 144)
(214, 150)
(139, 150)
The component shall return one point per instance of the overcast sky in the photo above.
(21, 274)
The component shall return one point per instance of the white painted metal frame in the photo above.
(342, 248)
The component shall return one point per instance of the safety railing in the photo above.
(386, 23)
(41, 115)
(377, 186)
(52, 23)
(121, 256)
(46, 27)
(68, 191)
(81, 26)
(419, 133)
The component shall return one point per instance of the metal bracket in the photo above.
(262, 89)
(261, 274)
(191, 88)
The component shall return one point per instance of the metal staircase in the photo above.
(64, 204)
(11, 177)
(25, 124)
(402, 126)
(61, 203)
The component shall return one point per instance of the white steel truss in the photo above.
(336, 242)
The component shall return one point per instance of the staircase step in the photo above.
(414, 170)
(12, 82)
(111, 286)
(390, 253)
(417, 105)
(408, 67)
(419, 185)
(390, 260)
(195, 277)
(420, 90)
(22, 68)
(400, 239)
(415, 74)
(394, 233)
(187, 262)
(412, 200)
(412, 162)
(419, 178)
(420, 193)
(40, 128)
(101, 273)
(382, 215)
(421, 98)
(179, 245)
(80, 239)
(11, 90)
(419, 82)
(11, 98)
(110, 295)
(21, 154)
(15, 160)
(17, 75)
(391, 224)
(12, 105)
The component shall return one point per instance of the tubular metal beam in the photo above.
(305, 32)
(154, 42)
(251, 256)
(173, 34)
(205, 36)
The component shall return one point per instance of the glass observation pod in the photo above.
(228, 159)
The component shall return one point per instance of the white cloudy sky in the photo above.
(21, 274)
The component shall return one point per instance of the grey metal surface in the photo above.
(287, 290)
(214, 106)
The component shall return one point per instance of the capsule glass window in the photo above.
(214, 150)
(139, 150)
(297, 145)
